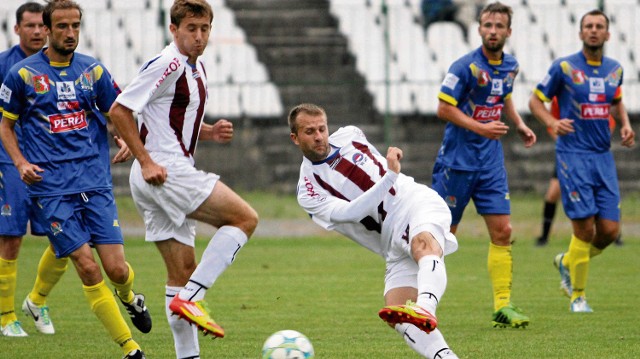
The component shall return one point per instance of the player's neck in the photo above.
(492, 55)
(57, 57)
(592, 55)
(27, 51)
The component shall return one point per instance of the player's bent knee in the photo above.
(425, 244)
(118, 273)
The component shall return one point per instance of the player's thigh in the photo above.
(455, 187)
(576, 185)
(101, 217)
(607, 192)
(491, 193)
(224, 207)
(67, 230)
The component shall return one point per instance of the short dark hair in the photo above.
(497, 7)
(182, 8)
(53, 5)
(594, 12)
(307, 108)
(28, 7)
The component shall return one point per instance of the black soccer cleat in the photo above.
(135, 354)
(138, 312)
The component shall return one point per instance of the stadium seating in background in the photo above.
(403, 75)
(542, 31)
(125, 33)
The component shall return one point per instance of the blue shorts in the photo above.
(15, 207)
(487, 188)
(76, 219)
(589, 185)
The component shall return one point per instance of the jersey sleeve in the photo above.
(12, 94)
(454, 84)
(550, 85)
(354, 211)
(317, 202)
(154, 77)
(106, 88)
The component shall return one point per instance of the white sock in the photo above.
(432, 281)
(219, 254)
(432, 345)
(185, 335)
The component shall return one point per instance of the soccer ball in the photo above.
(287, 344)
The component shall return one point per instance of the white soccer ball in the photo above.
(287, 344)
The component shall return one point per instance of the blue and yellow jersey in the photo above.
(585, 92)
(7, 59)
(60, 107)
(478, 87)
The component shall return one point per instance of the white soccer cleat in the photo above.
(579, 305)
(14, 329)
(565, 277)
(40, 316)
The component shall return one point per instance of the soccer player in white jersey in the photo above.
(346, 185)
(169, 94)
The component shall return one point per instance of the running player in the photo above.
(58, 96)
(170, 95)
(588, 86)
(16, 206)
(470, 164)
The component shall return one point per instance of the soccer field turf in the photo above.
(331, 289)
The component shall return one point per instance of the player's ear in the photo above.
(294, 138)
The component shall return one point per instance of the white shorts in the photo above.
(165, 208)
(423, 211)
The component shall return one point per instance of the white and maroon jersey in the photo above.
(170, 96)
(353, 167)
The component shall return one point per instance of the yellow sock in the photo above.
(594, 251)
(103, 304)
(578, 260)
(500, 264)
(124, 290)
(50, 270)
(8, 275)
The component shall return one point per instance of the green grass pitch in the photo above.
(331, 289)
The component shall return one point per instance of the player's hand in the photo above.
(124, 154)
(29, 173)
(562, 127)
(527, 136)
(394, 155)
(154, 174)
(493, 130)
(628, 136)
(222, 131)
